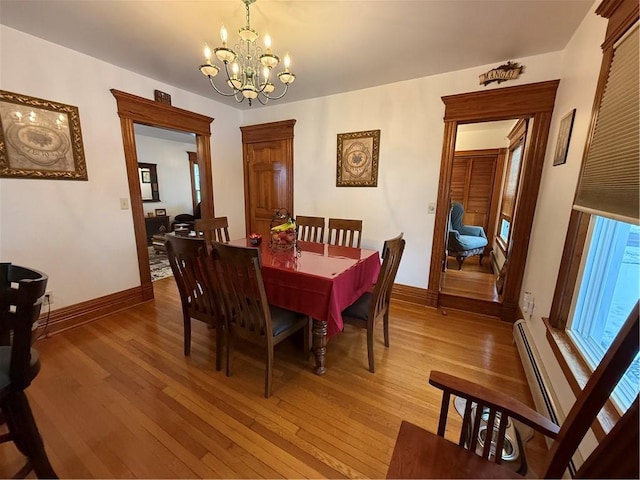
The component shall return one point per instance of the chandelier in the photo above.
(251, 66)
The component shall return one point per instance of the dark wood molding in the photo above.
(147, 112)
(501, 103)
(481, 307)
(265, 132)
(534, 102)
(74, 315)
(406, 293)
(133, 109)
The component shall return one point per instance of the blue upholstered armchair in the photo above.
(464, 240)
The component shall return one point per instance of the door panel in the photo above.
(267, 184)
(268, 171)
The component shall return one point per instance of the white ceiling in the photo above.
(336, 45)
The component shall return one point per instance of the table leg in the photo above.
(320, 344)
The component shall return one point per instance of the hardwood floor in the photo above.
(117, 398)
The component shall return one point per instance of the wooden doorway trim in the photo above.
(533, 101)
(133, 109)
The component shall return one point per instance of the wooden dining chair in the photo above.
(213, 229)
(373, 306)
(345, 233)
(421, 454)
(249, 314)
(199, 296)
(310, 229)
(21, 294)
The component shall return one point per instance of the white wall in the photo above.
(481, 136)
(75, 231)
(174, 176)
(409, 115)
(581, 66)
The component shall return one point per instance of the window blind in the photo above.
(609, 184)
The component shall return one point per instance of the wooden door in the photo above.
(268, 173)
(475, 184)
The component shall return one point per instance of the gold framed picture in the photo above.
(40, 139)
(357, 164)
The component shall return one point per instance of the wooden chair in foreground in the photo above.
(372, 306)
(250, 315)
(197, 292)
(345, 233)
(213, 229)
(21, 293)
(310, 229)
(419, 453)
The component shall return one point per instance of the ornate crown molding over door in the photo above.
(133, 109)
(533, 101)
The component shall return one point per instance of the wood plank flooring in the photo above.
(117, 398)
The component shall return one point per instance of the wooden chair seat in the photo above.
(5, 363)
(418, 451)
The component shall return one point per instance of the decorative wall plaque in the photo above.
(162, 97)
(507, 71)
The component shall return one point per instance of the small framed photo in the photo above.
(357, 164)
(40, 139)
(161, 212)
(564, 135)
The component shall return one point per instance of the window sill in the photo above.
(577, 373)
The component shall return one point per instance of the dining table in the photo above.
(318, 280)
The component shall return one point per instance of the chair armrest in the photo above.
(494, 399)
(472, 231)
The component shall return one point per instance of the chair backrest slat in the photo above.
(310, 229)
(345, 233)
(213, 229)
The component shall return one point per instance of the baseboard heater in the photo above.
(539, 383)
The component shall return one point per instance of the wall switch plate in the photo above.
(431, 207)
(124, 204)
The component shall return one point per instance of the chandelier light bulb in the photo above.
(265, 73)
(207, 53)
(287, 62)
(235, 69)
(223, 35)
(267, 42)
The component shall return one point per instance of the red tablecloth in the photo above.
(321, 282)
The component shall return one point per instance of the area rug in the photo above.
(159, 263)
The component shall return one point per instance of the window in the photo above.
(608, 288)
(511, 183)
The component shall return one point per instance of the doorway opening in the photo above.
(137, 110)
(484, 186)
(533, 102)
